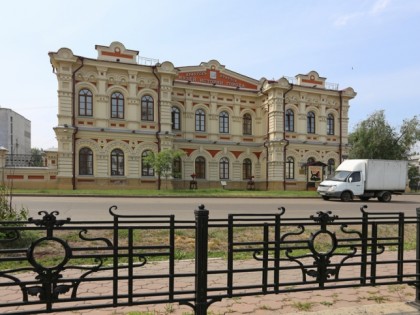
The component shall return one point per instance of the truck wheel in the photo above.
(364, 198)
(346, 196)
(325, 197)
(386, 197)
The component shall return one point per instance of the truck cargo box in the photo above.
(386, 175)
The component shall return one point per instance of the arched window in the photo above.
(311, 160)
(85, 102)
(177, 168)
(246, 169)
(290, 120)
(290, 168)
(117, 162)
(311, 122)
(224, 168)
(176, 118)
(85, 161)
(224, 122)
(147, 108)
(200, 120)
(200, 167)
(247, 124)
(117, 105)
(331, 167)
(330, 124)
(146, 168)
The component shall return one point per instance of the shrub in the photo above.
(7, 211)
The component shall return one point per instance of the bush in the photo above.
(10, 217)
(7, 211)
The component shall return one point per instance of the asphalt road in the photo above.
(96, 208)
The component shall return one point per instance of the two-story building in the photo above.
(113, 110)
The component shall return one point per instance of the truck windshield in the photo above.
(340, 176)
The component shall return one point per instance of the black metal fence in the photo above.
(52, 264)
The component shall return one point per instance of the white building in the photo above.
(15, 132)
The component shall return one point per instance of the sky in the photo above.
(372, 46)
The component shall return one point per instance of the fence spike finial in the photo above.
(362, 208)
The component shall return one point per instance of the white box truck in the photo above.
(366, 179)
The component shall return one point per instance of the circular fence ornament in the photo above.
(323, 243)
(49, 253)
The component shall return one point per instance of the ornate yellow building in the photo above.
(114, 109)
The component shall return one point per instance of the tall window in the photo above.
(290, 168)
(147, 108)
(85, 102)
(330, 124)
(331, 167)
(117, 162)
(146, 168)
(200, 120)
(200, 167)
(246, 169)
(177, 168)
(224, 122)
(290, 120)
(224, 168)
(176, 118)
(311, 122)
(247, 125)
(117, 105)
(85, 161)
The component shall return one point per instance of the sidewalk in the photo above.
(381, 299)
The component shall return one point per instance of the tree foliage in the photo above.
(36, 157)
(413, 177)
(374, 138)
(162, 161)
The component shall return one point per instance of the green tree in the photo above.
(374, 138)
(413, 177)
(36, 157)
(162, 162)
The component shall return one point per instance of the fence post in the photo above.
(201, 247)
(417, 301)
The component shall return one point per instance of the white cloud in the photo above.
(378, 7)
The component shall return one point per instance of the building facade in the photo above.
(113, 110)
(15, 132)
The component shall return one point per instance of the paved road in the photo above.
(96, 208)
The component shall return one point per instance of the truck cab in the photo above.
(348, 181)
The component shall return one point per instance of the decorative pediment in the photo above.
(311, 79)
(116, 52)
(213, 73)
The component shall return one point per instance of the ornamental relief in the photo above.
(64, 77)
(133, 101)
(102, 98)
(62, 93)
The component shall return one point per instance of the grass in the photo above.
(303, 306)
(169, 193)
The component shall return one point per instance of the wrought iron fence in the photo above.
(50, 264)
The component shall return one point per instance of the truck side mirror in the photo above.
(350, 179)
